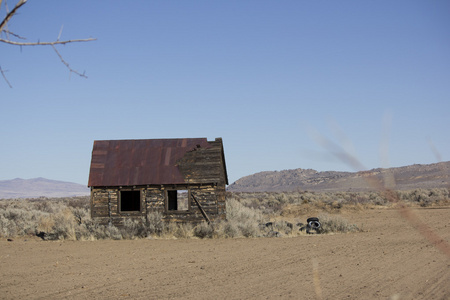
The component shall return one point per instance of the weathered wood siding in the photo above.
(105, 204)
(204, 165)
(221, 206)
(105, 207)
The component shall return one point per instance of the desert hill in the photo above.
(37, 187)
(402, 178)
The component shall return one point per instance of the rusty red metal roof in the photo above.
(140, 162)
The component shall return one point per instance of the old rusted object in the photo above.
(140, 162)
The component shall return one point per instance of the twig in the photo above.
(13, 34)
(60, 32)
(4, 77)
(67, 64)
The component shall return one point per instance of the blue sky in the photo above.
(263, 75)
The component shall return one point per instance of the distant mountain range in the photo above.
(40, 187)
(402, 178)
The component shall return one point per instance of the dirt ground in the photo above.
(389, 260)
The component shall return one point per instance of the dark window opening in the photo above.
(178, 200)
(130, 200)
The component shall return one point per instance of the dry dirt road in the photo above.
(390, 260)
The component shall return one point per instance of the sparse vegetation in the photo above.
(332, 224)
(248, 214)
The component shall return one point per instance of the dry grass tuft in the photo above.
(334, 224)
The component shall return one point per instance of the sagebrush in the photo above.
(248, 215)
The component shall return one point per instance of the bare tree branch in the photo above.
(11, 14)
(67, 64)
(46, 43)
(7, 40)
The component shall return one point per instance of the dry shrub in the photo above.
(94, 231)
(134, 228)
(88, 229)
(64, 225)
(183, 231)
(17, 219)
(101, 232)
(46, 223)
(273, 204)
(229, 230)
(241, 220)
(52, 219)
(155, 223)
(81, 215)
(112, 232)
(79, 202)
(69, 218)
(425, 197)
(204, 230)
(334, 224)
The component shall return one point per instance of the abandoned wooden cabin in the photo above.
(183, 179)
